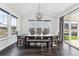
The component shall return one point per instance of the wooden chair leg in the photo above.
(25, 43)
(17, 43)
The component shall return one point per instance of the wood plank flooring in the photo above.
(63, 50)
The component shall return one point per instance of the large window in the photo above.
(3, 17)
(3, 24)
(74, 26)
(39, 27)
(71, 28)
(13, 25)
(7, 23)
(66, 26)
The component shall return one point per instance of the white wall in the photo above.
(55, 26)
(76, 6)
(53, 23)
(6, 41)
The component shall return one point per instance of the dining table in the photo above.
(50, 36)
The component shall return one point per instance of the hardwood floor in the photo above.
(63, 50)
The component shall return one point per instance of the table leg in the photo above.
(51, 42)
(25, 42)
(47, 43)
(28, 44)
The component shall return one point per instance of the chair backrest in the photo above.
(38, 31)
(31, 37)
(45, 31)
(18, 33)
(32, 31)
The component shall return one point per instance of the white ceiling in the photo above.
(50, 9)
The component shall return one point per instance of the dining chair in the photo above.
(30, 40)
(38, 31)
(45, 31)
(32, 31)
(55, 41)
(59, 41)
(20, 39)
(47, 40)
(39, 44)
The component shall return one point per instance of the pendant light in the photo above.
(39, 15)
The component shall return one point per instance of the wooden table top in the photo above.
(48, 35)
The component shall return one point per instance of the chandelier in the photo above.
(39, 15)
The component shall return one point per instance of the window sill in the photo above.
(3, 38)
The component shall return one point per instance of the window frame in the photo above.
(13, 26)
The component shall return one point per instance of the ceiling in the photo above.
(50, 9)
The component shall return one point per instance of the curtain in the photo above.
(61, 23)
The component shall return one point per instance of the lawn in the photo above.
(72, 37)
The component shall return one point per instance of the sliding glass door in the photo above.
(74, 30)
(71, 28)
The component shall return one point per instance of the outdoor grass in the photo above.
(72, 37)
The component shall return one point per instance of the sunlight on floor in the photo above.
(74, 43)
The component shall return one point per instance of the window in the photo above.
(13, 25)
(3, 17)
(3, 23)
(39, 26)
(74, 33)
(71, 26)
(74, 26)
(66, 26)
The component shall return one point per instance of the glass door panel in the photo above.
(66, 28)
(74, 30)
